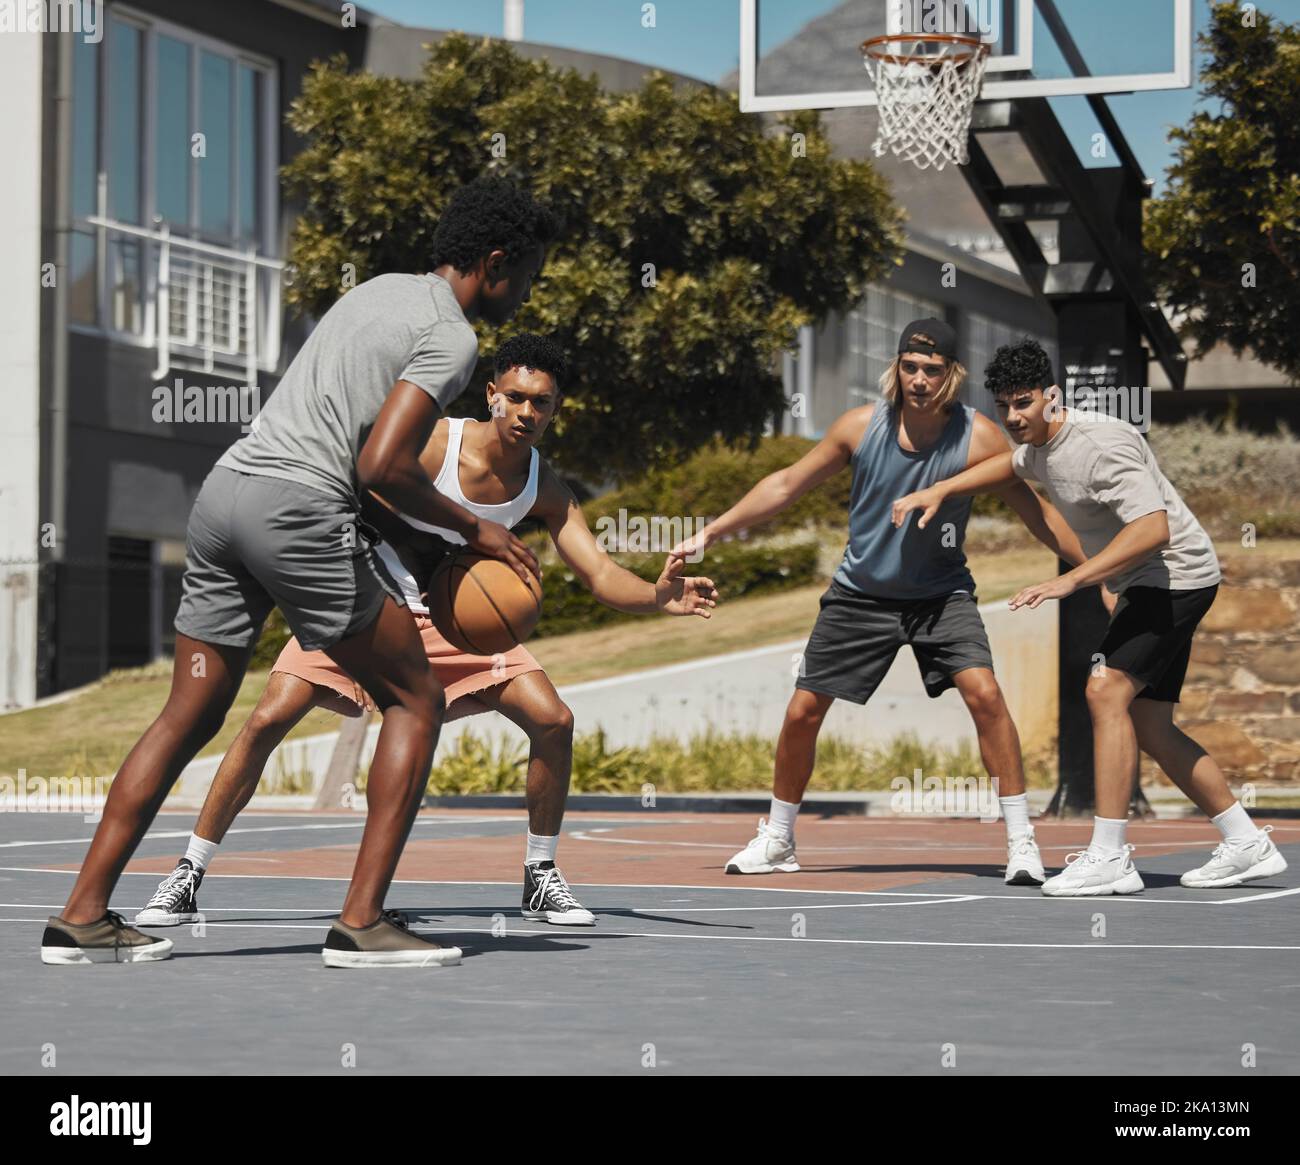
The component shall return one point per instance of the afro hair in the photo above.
(1023, 364)
(490, 214)
(529, 350)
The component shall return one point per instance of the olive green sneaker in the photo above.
(386, 942)
(108, 940)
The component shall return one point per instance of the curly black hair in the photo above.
(529, 350)
(1023, 364)
(490, 214)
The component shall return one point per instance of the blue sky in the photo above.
(701, 38)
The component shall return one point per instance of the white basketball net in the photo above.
(926, 92)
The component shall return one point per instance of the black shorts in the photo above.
(856, 637)
(1150, 637)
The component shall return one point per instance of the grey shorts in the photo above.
(254, 543)
(856, 637)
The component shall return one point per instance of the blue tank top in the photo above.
(909, 563)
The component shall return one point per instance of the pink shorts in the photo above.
(459, 673)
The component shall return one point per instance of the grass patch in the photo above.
(712, 762)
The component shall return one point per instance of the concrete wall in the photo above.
(20, 358)
(1241, 701)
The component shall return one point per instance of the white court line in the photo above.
(428, 910)
(938, 901)
(357, 823)
(861, 847)
(480, 882)
(1258, 897)
(1135, 898)
(551, 932)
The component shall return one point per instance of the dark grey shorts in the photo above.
(856, 637)
(254, 543)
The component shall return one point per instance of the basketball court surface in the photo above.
(897, 950)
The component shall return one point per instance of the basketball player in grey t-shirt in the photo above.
(278, 524)
(1143, 544)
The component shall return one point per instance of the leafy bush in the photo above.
(712, 480)
(275, 634)
(707, 763)
(1229, 476)
(737, 568)
(1198, 455)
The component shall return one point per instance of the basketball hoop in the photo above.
(926, 85)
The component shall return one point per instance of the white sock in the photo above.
(200, 852)
(1108, 834)
(1015, 811)
(541, 849)
(1235, 824)
(781, 818)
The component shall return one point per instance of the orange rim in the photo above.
(969, 48)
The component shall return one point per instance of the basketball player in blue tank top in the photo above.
(897, 587)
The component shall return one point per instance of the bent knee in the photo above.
(558, 721)
(805, 715)
(984, 700)
(1106, 693)
(267, 722)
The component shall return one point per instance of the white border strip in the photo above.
(1180, 78)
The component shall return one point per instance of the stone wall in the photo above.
(1241, 701)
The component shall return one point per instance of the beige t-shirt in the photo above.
(1102, 475)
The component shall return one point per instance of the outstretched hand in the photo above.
(926, 500)
(691, 548)
(1058, 588)
(676, 594)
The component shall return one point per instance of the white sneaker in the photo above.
(1091, 873)
(1234, 862)
(769, 853)
(1024, 862)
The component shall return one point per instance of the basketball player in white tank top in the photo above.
(493, 469)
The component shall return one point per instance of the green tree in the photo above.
(1224, 241)
(695, 244)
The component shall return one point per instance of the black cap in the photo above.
(943, 337)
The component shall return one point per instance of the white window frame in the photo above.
(267, 245)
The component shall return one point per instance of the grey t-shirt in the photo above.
(390, 328)
(1102, 475)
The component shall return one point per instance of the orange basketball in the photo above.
(480, 605)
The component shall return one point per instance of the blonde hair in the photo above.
(890, 388)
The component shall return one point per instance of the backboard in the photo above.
(805, 54)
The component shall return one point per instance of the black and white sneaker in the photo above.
(547, 897)
(176, 900)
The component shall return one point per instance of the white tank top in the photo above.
(508, 514)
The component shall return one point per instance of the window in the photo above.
(83, 270)
(171, 130)
(172, 133)
(121, 159)
(216, 173)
